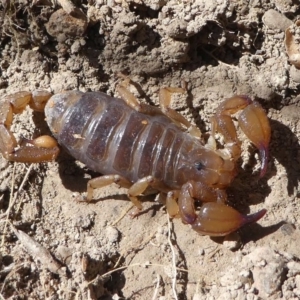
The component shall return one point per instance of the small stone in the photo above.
(294, 268)
(286, 6)
(201, 251)
(275, 20)
(177, 29)
(297, 281)
(232, 241)
(245, 273)
(288, 229)
(296, 292)
(64, 254)
(62, 25)
(112, 234)
(291, 113)
(269, 279)
(84, 221)
(295, 74)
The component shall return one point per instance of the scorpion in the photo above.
(141, 147)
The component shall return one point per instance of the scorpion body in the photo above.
(141, 147)
(112, 138)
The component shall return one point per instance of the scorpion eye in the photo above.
(199, 166)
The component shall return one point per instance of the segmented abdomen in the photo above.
(112, 138)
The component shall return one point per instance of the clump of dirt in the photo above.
(218, 48)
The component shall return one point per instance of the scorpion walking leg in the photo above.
(105, 180)
(41, 149)
(131, 100)
(214, 218)
(252, 120)
(165, 102)
(134, 190)
(139, 188)
(171, 203)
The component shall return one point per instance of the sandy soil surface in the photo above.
(53, 247)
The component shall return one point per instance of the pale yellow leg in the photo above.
(171, 203)
(103, 181)
(41, 149)
(134, 190)
(165, 102)
(131, 100)
(139, 188)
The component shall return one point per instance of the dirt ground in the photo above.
(53, 247)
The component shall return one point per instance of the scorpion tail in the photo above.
(216, 219)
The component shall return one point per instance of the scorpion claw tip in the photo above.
(248, 219)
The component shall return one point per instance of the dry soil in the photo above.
(53, 247)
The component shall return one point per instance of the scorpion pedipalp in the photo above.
(214, 218)
(253, 122)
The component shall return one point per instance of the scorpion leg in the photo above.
(214, 218)
(165, 102)
(139, 188)
(43, 148)
(134, 190)
(252, 120)
(133, 102)
(105, 180)
(171, 203)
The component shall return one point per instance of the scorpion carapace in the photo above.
(139, 146)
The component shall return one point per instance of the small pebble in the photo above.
(287, 229)
(62, 26)
(232, 241)
(294, 268)
(275, 20)
(112, 234)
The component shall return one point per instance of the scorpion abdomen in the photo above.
(112, 138)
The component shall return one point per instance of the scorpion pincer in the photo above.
(139, 146)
